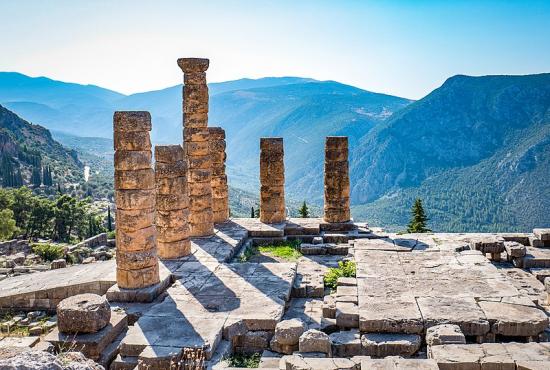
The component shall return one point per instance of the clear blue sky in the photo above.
(404, 48)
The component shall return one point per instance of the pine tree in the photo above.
(109, 220)
(252, 213)
(304, 211)
(36, 179)
(418, 223)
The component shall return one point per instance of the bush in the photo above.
(110, 234)
(344, 269)
(49, 252)
(248, 361)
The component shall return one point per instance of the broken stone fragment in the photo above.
(384, 344)
(515, 250)
(288, 332)
(346, 343)
(444, 334)
(131, 121)
(83, 313)
(314, 341)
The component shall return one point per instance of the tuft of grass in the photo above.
(289, 250)
(344, 269)
(248, 361)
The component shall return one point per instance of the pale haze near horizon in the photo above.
(403, 48)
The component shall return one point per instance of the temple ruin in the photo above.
(415, 301)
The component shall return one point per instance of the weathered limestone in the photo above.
(272, 180)
(172, 202)
(137, 262)
(220, 194)
(385, 344)
(444, 334)
(287, 335)
(337, 186)
(83, 313)
(314, 341)
(196, 145)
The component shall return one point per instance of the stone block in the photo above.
(132, 140)
(135, 199)
(139, 179)
(288, 332)
(134, 219)
(314, 341)
(381, 315)
(514, 319)
(444, 334)
(177, 249)
(347, 315)
(384, 344)
(134, 279)
(136, 260)
(169, 154)
(83, 313)
(346, 343)
(542, 234)
(193, 65)
(514, 250)
(171, 185)
(132, 160)
(131, 121)
(135, 241)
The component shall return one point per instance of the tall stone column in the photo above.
(136, 248)
(272, 180)
(337, 188)
(196, 147)
(220, 197)
(172, 202)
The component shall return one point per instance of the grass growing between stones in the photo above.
(287, 251)
(344, 269)
(249, 361)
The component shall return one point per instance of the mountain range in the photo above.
(476, 149)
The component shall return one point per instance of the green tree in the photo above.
(36, 178)
(41, 218)
(304, 211)
(22, 206)
(70, 218)
(7, 224)
(109, 219)
(252, 213)
(419, 220)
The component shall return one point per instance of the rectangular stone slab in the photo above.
(463, 312)
(514, 319)
(389, 316)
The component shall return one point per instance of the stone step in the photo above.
(335, 237)
(256, 241)
(111, 351)
(325, 248)
(390, 344)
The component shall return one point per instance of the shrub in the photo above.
(248, 361)
(49, 252)
(344, 269)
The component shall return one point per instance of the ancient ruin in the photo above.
(220, 194)
(172, 207)
(344, 295)
(337, 188)
(196, 145)
(272, 180)
(137, 263)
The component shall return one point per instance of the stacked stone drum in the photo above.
(136, 249)
(196, 146)
(272, 180)
(172, 202)
(220, 197)
(337, 189)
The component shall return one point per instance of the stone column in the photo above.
(336, 179)
(220, 197)
(196, 148)
(136, 247)
(172, 202)
(272, 180)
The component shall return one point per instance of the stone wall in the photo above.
(14, 246)
(136, 247)
(172, 202)
(220, 197)
(337, 186)
(272, 180)
(92, 242)
(196, 146)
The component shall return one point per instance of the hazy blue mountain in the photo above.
(477, 149)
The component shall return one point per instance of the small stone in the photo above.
(288, 332)
(542, 234)
(314, 341)
(317, 240)
(33, 315)
(88, 260)
(346, 343)
(58, 264)
(382, 345)
(515, 250)
(35, 330)
(83, 313)
(444, 334)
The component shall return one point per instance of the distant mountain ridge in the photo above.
(476, 149)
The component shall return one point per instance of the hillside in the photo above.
(477, 150)
(30, 155)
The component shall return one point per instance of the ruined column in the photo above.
(272, 180)
(220, 197)
(196, 147)
(337, 188)
(136, 248)
(172, 202)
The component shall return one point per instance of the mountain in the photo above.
(29, 154)
(477, 150)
